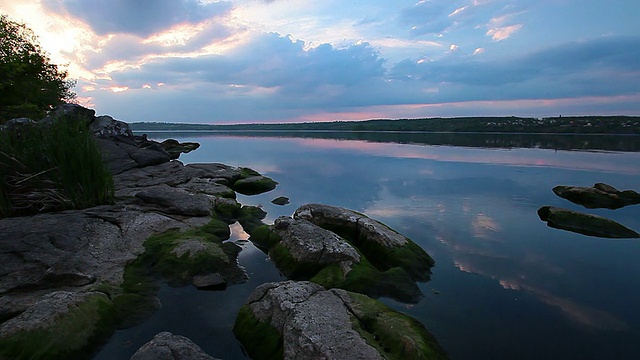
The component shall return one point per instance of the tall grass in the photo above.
(50, 168)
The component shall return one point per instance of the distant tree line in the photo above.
(561, 125)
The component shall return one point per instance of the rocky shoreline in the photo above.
(70, 278)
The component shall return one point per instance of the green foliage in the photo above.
(50, 168)
(29, 84)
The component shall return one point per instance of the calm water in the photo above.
(505, 286)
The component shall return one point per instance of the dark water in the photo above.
(505, 285)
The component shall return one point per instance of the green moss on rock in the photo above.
(72, 336)
(260, 339)
(366, 279)
(290, 267)
(396, 335)
(250, 182)
(251, 218)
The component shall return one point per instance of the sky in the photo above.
(247, 61)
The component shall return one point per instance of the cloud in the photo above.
(502, 33)
(138, 17)
(602, 62)
(429, 17)
(266, 61)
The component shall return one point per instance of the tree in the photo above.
(30, 84)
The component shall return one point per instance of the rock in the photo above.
(73, 111)
(17, 124)
(209, 187)
(253, 185)
(585, 224)
(326, 245)
(384, 247)
(50, 328)
(250, 217)
(176, 201)
(163, 223)
(599, 196)
(167, 346)
(282, 200)
(302, 320)
(121, 154)
(175, 148)
(179, 256)
(107, 127)
(209, 282)
(310, 246)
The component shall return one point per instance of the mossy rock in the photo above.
(280, 200)
(586, 224)
(251, 218)
(290, 267)
(260, 340)
(74, 335)
(393, 334)
(178, 256)
(364, 278)
(373, 279)
(263, 238)
(295, 319)
(250, 182)
(227, 210)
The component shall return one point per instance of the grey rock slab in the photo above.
(167, 346)
(308, 242)
(314, 322)
(176, 201)
(71, 249)
(336, 217)
(209, 186)
(42, 314)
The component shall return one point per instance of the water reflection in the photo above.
(624, 143)
(504, 286)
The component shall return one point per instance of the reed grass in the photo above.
(50, 168)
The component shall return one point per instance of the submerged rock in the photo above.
(599, 196)
(209, 282)
(303, 320)
(167, 346)
(281, 200)
(586, 224)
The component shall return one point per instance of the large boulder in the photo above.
(167, 346)
(340, 248)
(303, 320)
(599, 196)
(586, 224)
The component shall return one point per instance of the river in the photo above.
(504, 286)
